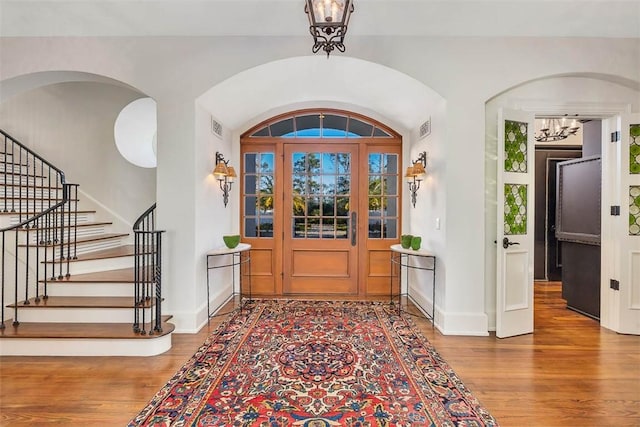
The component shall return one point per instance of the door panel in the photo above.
(320, 219)
(515, 242)
(261, 215)
(381, 226)
(628, 295)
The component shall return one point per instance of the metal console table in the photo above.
(240, 256)
(400, 257)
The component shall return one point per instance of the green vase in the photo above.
(405, 240)
(416, 241)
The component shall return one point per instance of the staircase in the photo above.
(69, 285)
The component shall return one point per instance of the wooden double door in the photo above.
(320, 215)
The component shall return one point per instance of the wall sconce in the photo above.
(415, 174)
(225, 175)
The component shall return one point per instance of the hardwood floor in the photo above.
(570, 372)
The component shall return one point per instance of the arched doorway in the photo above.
(320, 203)
(598, 97)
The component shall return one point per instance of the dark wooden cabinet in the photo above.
(578, 220)
(581, 277)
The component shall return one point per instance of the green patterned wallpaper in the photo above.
(515, 209)
(515, 146)
(634, 149)
(634, 210)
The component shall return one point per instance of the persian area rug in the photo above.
(315, 364)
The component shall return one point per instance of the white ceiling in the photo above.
(537, 18)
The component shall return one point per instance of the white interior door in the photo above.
(628, 288)
(515, 210)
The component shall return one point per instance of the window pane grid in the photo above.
(321, 189)
(320, 125)
(383, 196)
(259, 180)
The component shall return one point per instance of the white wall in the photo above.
(585, 96)
(71, 125)
(465, 71)
(214, 218)
(428, 218)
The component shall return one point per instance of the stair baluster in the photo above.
(4, 162)
(2, 283)
(147, 273)
(36, 217)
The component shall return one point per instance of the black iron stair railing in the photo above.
(148, 273)
(46, 209)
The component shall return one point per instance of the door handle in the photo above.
(354, 228)
(506, 243)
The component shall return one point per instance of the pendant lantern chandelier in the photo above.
(556, 129)
(328, 21)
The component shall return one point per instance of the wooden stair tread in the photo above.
(117, 252)
(80, 224)
(125, 275)
(80, 330)
(87, 239)
(81, 302)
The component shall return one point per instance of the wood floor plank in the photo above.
(570, 372)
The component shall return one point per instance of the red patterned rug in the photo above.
(315, 364)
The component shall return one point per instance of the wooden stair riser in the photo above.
(92, 266)
(12, 192)
(57, 288)
(69, 233)
(12, 179)
(65, 289)
(8, 219)
(84, 346)
(21, 168)
(81, 247)
(27, 205)
(79, 315)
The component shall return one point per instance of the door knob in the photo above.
(506, 243)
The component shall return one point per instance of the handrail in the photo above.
(145, 215)
(44, 230)
(33, 153)
(147, 273)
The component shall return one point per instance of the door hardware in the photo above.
(506, 243)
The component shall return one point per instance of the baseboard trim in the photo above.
(84, 346)
(468, 324)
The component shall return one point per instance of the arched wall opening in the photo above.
(68, 118)
(383, 94)
(586, 94)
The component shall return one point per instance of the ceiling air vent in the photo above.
(216, 127)
(425, 128)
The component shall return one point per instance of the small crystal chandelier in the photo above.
(556, 129)
(328, 20)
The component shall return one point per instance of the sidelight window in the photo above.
(259, 180)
